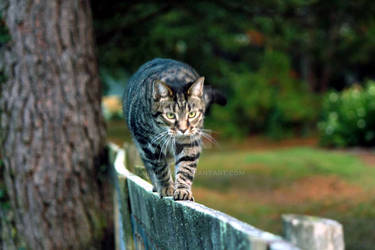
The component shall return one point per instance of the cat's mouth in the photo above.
(183, 134)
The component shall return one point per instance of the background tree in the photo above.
(52, 132)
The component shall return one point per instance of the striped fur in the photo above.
(164, 105)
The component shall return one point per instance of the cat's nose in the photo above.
(183, 130)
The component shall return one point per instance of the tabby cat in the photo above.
(164, 106)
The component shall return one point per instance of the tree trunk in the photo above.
(53, 134)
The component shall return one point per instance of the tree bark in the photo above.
(53, 134)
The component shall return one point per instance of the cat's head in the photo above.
(179, 111)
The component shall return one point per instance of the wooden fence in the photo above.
(144, 221)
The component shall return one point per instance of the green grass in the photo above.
(279, 167)
(227, 181)
(297, 162)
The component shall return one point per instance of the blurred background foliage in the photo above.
(273, 59)
(348, 117)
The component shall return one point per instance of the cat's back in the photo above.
(139, 87)
(172, 72)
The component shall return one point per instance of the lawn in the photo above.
(257, 186)
(258, 180)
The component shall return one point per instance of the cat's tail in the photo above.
(213, 95)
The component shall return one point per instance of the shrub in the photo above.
(348, 118)
(269, 100)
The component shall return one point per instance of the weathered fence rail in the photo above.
(144, 221)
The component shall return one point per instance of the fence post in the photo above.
(133, 161)
(313, 233)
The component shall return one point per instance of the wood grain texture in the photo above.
(53, 134)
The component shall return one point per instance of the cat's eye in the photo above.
(192, 114)
(170, 115)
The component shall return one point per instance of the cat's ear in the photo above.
(161, 89)
(196, 89)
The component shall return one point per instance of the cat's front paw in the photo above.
(183, 194)
(167, 191)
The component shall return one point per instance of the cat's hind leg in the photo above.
(165, 181)
(157, 167)
(161, 177)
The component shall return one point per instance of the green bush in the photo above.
(269, 100)
(348, 118)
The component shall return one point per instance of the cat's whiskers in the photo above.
(209, 131)
(161, 146)
(208, 137)
(159, 137)
(174, 144)
(163, 133)
(170, 143)
(165, 144)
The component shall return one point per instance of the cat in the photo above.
(164, 105)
